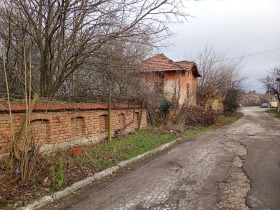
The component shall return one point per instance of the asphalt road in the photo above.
(235, 167)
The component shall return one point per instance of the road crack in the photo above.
(244, 171)
(234, 188)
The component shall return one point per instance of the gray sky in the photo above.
(236, 27)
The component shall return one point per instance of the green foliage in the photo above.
(57, 178)
(231, 101)
(159, 115)
(107, 154)
(165, 106)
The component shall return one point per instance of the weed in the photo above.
(57, 178)
(274, 112)
(191, 133)
(223, 120)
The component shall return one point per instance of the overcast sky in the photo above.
(236, 27)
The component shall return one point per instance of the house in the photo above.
(175, 81)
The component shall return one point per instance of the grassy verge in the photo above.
(107, 154)
(222, 121)
(193, 132)
(230, 118)
(274, 112)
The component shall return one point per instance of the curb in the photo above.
(77, 185)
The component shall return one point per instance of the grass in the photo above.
(222, 121)
(192, 132)
(274, 112)
(228, 119)
(107, 154)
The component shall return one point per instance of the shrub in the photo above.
(197, 116)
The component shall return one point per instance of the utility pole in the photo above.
(278, 94)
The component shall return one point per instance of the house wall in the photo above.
(188, 80)
(52, 129)
(172, 86)
(175, 86)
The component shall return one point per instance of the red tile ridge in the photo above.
(60, 107)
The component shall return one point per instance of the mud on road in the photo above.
(235, 167)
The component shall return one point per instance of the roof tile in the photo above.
(159, 63)
(60, 107)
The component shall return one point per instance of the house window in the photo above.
(188, 90)
(158, 87)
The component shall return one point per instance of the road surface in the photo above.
(235, 167)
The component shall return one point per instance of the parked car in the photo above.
(264, 105)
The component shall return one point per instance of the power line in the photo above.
(252, 54)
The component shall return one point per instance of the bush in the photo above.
(165, 106)
(197, 116)
(158, 116)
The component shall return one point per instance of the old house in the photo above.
(175, 81)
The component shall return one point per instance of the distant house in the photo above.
(172, 80)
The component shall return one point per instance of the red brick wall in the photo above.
(68, 127)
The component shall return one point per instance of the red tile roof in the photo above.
(61, 107)
(161, 63)
(189, 66)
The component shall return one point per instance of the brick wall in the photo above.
(55, 126)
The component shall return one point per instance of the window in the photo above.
(188, 90)
(158, 87)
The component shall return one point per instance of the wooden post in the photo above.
(140, 117)
(109, 116)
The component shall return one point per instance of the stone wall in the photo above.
(58, 125)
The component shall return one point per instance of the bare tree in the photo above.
(220, 76)
(272, 83)
(114, 69)
(64, 35)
